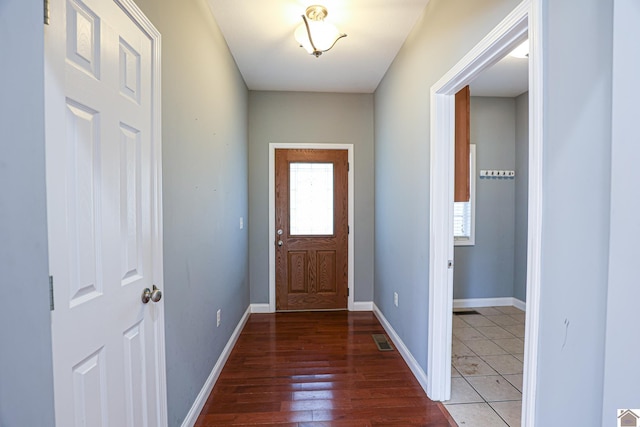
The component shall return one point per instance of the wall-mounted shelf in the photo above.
(494, 173)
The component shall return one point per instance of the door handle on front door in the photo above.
(154, 295)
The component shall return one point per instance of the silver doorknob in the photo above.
(154, 295)
(280, 242)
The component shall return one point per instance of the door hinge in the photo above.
(51, 304)
(348, 166)
(46, 12)
(348, 229)
(347, 291)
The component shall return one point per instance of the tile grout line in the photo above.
(498, 373)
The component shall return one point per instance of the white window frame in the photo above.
(471, 240)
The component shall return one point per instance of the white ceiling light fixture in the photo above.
(315, 35)
(522, 51)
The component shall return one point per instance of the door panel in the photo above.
(312, 229)
(103, 244)
(326, 271)
(89, 378)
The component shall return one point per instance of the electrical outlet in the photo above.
(218, 317)
(395, 299)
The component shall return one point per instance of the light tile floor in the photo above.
(487, 355)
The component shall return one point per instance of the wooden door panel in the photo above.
(311, 270)
(326, 271)
(298, 282)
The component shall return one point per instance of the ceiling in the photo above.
(508, 78)
(260, 38)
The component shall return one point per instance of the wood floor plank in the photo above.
(317, 369)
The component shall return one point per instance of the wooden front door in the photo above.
(311, 229)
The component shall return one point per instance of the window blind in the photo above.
(464, 212)
(462, 219)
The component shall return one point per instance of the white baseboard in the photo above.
(489, 302)
(520, 304)
(417, 370)
(363, 306)
(260, 308)
(201, 399)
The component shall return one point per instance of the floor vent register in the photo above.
(382, 342)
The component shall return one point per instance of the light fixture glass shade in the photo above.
(324, 35)
(315, 35)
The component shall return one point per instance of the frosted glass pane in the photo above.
(311, 198)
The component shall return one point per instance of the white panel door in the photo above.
(103, 193)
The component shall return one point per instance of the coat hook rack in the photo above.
(495, 173)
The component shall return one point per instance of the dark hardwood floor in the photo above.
(317, 369)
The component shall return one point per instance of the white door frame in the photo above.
(272, 213)
(525, 19)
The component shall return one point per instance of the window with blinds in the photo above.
(462, 219)
(464, 212)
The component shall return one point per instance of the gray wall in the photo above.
(447, 30)
(299, 117)
(486, 270)
(522, 201)
(576, 179)
(26, 371)
(204, 142)
(622, 371)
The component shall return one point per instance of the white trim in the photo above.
(201, 399)
(441, 248)
(272, 215)
(417, 371)
(519, 304)
(363, 306)
(525, 18)
(489, 302)
(534, 239)
(260, 308)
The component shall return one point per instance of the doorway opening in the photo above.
(522, 22)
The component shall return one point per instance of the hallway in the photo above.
(317, 369)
